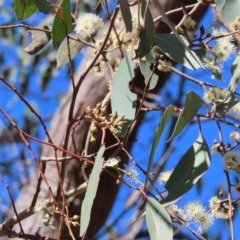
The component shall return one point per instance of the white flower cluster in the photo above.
(164, 176)
(235, 136)
(221, 51)
(217, 95)
(198, 215)
(164, 66)
(132, 173)
(195, 213)
(231, 160)
(46, 221)
(88, 24)
(189, 23)
(219, 209)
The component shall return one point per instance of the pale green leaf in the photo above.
(150, 78)
(159, 223)
(123, 101)
(192, 104)
(62, 24)
(166, 116)
(173, 48)
(24, 9)
(39, 40)
(91, 191)
(126, 14)
(188, 171)
(229, 9)
(62, 53)
(168, 22)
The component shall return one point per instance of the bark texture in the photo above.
(92, 91)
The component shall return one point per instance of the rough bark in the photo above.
(92, 91)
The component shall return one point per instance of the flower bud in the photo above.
(92, 140)
(94, 129)
(75, 218)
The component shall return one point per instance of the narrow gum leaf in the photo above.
(91, 191)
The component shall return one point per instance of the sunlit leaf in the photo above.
(159, 223)
(123, 101)
(173, 48)
(62, 53)
(166, 116)
(62, 24)
(168, 22)
(192, 104)
(24, 8)
(44, 6)
(91, 191)
(228, 6)
(147, 73)
(188, 171)
(126, 14)
(39, 40)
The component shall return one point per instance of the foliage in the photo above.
(126, 50)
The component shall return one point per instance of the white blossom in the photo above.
(132, 173)
(46, 224)
(211, 65)
(88, 24)
(189, 23)
(164, 66)
(164, 176)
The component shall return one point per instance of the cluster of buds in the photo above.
(101, 119)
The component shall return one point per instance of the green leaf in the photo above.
(91, 191)
(173, 48)
(39, 40)
(123, 101)
(188, 171)
(235, 80)
(228, 6)
(146, 35)
(158, 221)
(24, 8)
(62, 24)
(126, 14)
(165, 17)
(217, 75)
(166, 116)
(147, 73)
(44, 6)
(192, 104)
(62, 53)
